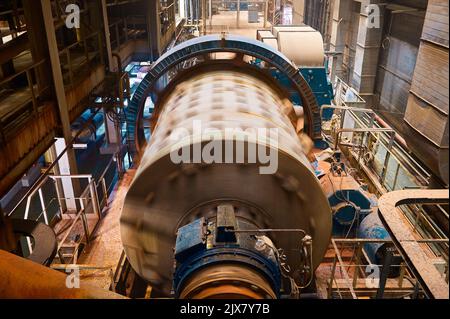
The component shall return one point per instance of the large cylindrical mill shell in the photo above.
(165, 196)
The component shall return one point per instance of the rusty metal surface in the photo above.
(165, 195)
(44, 237)
(106, 246)
(24, 279)
(7, 238)
(429, 277)
(25, 145)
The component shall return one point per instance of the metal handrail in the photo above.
(12, 77)
(357, 262)
(341, 85)
(115, 36)
(359, 130)
(44, 175)
(393, 148)
(83, 41)
(8, 12)
(110, 3)
(34, 93)
(87, 59)
(416, 167)
(102, 182)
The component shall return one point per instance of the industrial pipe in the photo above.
(400, 140)
(23, 279)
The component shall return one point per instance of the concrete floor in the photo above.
(106, 246)
(226, 21)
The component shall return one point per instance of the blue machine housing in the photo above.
(350, 203)
(319, 83)
(345, 214)
(90, 132)
(317, 79)
(371, 227)
(233, 6)
(200, 244)
(207, 257)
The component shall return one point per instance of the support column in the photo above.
(56, 69)
(107, 37)
(66, 184)
(69, 167)
(182, 8)
(154, 26)
(238, 13)
(112, 130)
(36, 36)
(190, 14)
(204, 16)
(210, 14)
(367, 52)
(274, 14)
(266, 12)
(298, 11)
(340, 26)
(50, 156)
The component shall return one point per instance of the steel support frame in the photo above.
(89, 193)
(359, 252)
(361, 130)
(91, 189)
(358, 106)
(428, 276)
(81, 214)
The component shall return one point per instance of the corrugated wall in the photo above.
(398, 54)
(316, 14)
(428, 100)
(351, 41)
(298, 11)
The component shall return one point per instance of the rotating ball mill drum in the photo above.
(185, 223)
